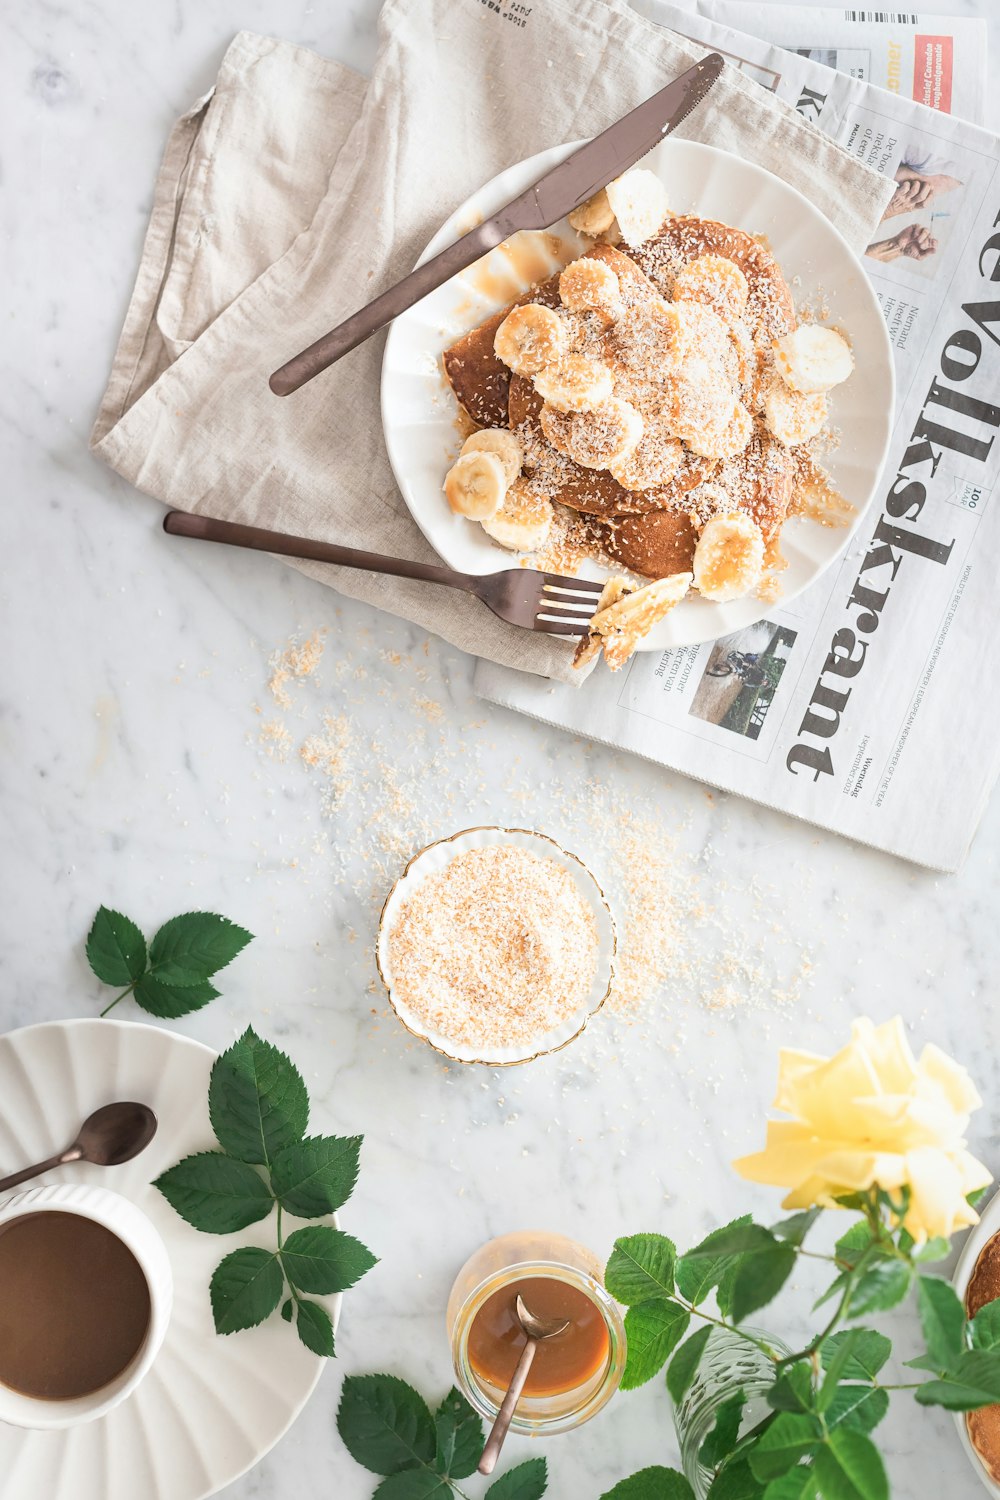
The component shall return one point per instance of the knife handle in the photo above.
(518, 214)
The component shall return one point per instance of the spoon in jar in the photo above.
(112, 1134)
(537, 1329)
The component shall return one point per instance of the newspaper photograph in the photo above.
(865, 705)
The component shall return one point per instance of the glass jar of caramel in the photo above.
(573, 1374)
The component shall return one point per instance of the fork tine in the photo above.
(545, 627)
(556, 581)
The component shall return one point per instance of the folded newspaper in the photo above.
(864, 705)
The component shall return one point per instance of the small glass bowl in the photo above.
(434, 858)
(512, 1257)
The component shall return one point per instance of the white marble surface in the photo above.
(132, 774)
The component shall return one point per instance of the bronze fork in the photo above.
(538, 601)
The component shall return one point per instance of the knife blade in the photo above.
(558, 192)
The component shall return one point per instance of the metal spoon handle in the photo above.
(506, 1413)
(25, 1175)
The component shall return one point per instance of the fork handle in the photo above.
(258, 539)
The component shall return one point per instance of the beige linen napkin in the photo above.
(293, 192)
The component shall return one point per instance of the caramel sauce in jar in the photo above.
(562, 1363)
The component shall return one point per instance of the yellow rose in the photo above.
(874, 1115)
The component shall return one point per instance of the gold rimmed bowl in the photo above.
(435, 858)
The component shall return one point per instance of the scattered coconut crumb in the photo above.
(296, 661)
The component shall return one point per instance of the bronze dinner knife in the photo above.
(560, 190)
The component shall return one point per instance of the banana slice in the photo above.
(523, 521)
(588, 285)
(530, 338)
(652, 462)
(729, 557)
(502, 444)
(596, 438)
(812, 358)
(793, 416)
(574, 384)
(716, 281)
(724, 440)
(638, 201)
(623, 624)
(594, 216)
(697, 404)
(476, 485)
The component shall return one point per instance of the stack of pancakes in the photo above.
(652, 531)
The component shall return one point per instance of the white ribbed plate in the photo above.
(210, 1407)
(419, 411)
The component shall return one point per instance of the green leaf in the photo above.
(215, 1193)
(848, 1467)
(795, 1228)
(936, 1248)
(652, 1330)
(654, 1483)
(641, 1268)
(257, 1100)
(192, 947)
(288, 1309)
(793, 1391)
(315, 1328)
(942, 1318)
(798, 1484)
(697, 1273)
(861, 1406)
(682, 1368)
(835, 1368)
(761, 1264)
(973, 1381)
(869, 1352)
(245, 1289)
(852, 1245)
(526, 1482)
(736, 1482)
(758, 1278)
(316, 1176)
(323, 1260)
(882, 1287)
(384, 1424)
(789, 1439)
(459, 1436)
(984, 1328)
(725, 1431)
(116, 949)
(414, 1484)
(170, 1000)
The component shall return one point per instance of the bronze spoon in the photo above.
(112, 1134)
(537, 1329)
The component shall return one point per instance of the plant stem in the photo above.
(120, 997)
(281, 1245)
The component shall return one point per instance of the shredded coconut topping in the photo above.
(497, 949)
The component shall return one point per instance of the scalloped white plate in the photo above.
(419, 410)
(430, 861)
(988, 1226)
(210, 1407)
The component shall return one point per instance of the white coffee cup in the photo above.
(136, 1232)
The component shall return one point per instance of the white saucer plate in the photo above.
(419, 411)
(210, 1407)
